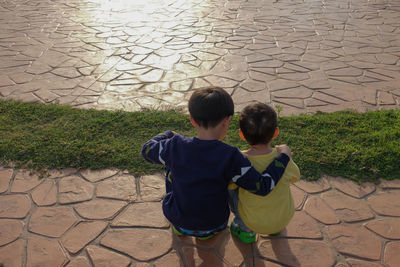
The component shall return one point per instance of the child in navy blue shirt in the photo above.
(200, 168)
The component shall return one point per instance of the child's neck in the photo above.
(208, 134)
(259, 149)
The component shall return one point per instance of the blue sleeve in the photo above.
(154, 148)
(262, 184)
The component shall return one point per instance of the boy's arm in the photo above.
(152, 149)
(261, 184)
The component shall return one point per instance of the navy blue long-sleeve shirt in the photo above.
(200, 172)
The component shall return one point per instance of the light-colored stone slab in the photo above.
(99, 208)
(44, 252)
(24, 181)
(52, 221)
(389, 228)
(106, 258)
(14, 206)
(140, 243)
(74, 189)
(12, 254)
(379, 203)
(82, 234)
(5, 177)
(121, 187)
(45, 194)
(10, 230)
(297, 252)
(97, 175)
(142, 214)
(355, 241)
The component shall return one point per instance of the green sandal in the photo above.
(245, 237)
(176, 232)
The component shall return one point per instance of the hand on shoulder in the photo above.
(284, 149)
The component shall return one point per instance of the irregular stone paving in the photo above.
(111, 218)
(302, 55)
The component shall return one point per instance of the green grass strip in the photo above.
(359, 146)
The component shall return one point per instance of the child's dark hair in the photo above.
(258, 123)
(210, 105)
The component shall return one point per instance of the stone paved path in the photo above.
(110, 218)
(302, 55)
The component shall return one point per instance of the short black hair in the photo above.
(258, 122)
(210, 105)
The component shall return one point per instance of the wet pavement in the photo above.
(111, 218)
(301, 55)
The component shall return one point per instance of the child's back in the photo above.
(262, 214)
(271, 213)
(200, 168)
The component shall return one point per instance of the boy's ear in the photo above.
(193, 122)
(241, 135)
(276, 133)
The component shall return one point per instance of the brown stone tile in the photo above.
(297, 252)
(99, 208)
(45, 194)
(232, 250)
(172, 259)
(14, 206)
(320, 211)
(106, 258)
(97, 175)
(354, 240)
(390, 184)
(361, 263)
(152, 187)
(10, 230)
(302, 226)
(5, 177)
(315, 186)
(121, 187)
(141, 244)
(392, 256)
(5, 81)
(212, 243)
(351, 188)
(51, 221)
(298, 196)
(141, 264)
(82, 234)
(259, 262)
(389, 228)
(296, 92)
(379, 202)
(24, 181)
(12, 254)
(198, 257)
(142, 214)
(44, 252)
(253, 85)
(74, 189)
(281, 84)
(347, 209)
(79, 261)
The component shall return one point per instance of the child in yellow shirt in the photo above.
(262, 214)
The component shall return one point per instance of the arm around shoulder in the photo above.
(261, 184)
(152, 149)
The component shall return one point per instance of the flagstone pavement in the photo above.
(119, 54)
(302, 55)
(111, 218)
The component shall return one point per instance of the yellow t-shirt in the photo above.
(271, 213)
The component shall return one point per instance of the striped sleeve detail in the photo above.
(243, 171)
(159, 154)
